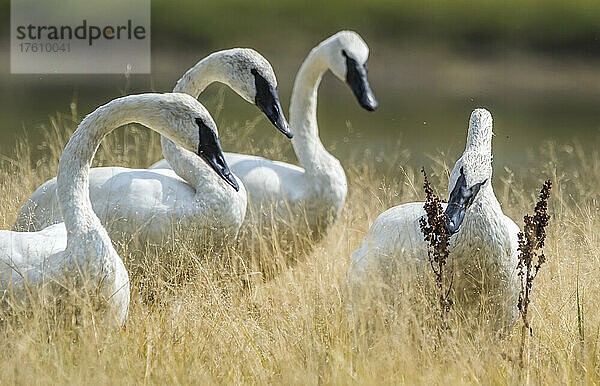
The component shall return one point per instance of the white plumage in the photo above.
(80, 250)
(313, 194)
(152, 204)
(483, 253)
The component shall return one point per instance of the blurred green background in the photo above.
(535, 64)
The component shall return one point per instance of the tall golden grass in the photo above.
(277, 314)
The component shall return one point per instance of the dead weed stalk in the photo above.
(531, 259)
(437, 236)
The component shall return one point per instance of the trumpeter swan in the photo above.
(314, 193)
(483, 249)
(152, 204)
(80, 250)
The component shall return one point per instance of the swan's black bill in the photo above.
(267, 100)
(209, 149)
(461, 198)
(356, 77)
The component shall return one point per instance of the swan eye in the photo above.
(344, 54)
(254, 71)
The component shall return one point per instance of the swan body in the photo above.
(313, 193)
(152, 204)
(120, 197)
(483, 249)
(79, 249)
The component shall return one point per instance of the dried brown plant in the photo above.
(531, 257)
(437, 236)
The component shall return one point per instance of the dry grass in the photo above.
(200, 319)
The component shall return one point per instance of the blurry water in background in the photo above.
(426, 87)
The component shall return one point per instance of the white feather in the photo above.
(484, 249)
(80, 248)
(152, 204)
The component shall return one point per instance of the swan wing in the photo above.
(394, 236)
(40, 210)
(140, 201)
(26, 256)
(124, 199)
(264, 178)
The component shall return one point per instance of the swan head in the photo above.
(461, 198)
(479, 135)
(347, 55)
(251, 76)
(184, 120)
(472, 172)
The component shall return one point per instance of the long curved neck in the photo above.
(190, 167)
(199, 77)
(479, 141)
(186, 164)
(303, 111)
(76, 159)
(74, 164)
(488, 201)
(482, 218)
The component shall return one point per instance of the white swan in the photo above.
(483, 250)
(80, 250)
(315, 192)
(147, 203)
